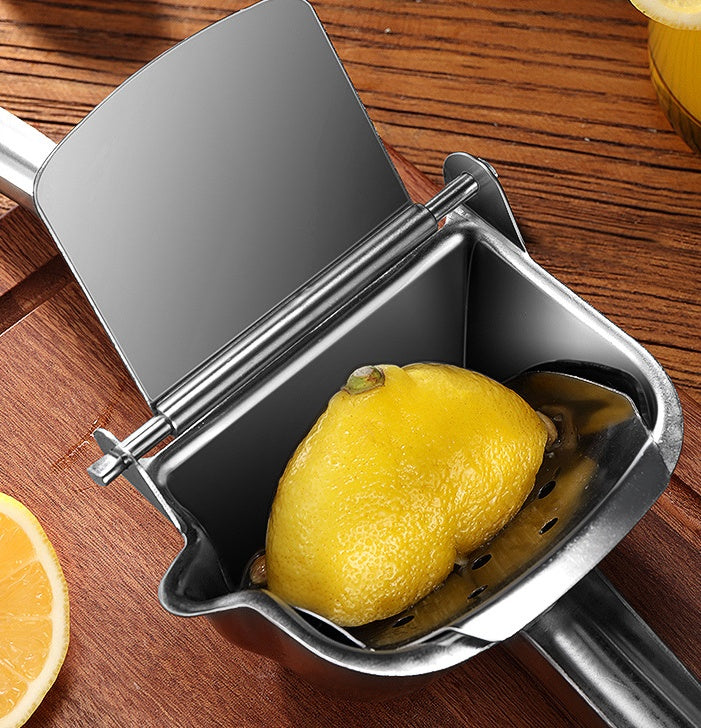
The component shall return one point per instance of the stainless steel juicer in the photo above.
(246, 242)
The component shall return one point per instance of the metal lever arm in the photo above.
(614, 660)
(23, 150)
(277, 337)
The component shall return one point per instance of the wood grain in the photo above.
(556, 95)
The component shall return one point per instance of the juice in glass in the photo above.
(675, 67)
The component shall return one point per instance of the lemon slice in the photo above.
(34, 621)
(674, 13)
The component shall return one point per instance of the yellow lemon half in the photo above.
(405, 470)
(675, 13)
(34, 622)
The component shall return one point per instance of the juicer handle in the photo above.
(23, 150)
(610, 656)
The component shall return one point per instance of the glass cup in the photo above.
(675, 67)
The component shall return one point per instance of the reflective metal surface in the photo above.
(212, 183)
(491, 205)
(516, 324)
(616, 662)
(23, 150)
(225, 471)
(304, 318)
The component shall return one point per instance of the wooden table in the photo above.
(556, 95)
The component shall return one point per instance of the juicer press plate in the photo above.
(221, 445)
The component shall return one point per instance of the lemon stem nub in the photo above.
(364, 379)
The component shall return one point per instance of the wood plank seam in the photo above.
(37, 288)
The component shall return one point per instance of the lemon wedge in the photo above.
(34, 621)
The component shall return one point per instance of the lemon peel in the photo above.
(392, 484)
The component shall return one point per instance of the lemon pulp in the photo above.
(34, 621)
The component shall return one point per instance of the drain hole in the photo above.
(548, 525)
(547, 489)
(480, 561)
(476, 592)
(403, 620)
